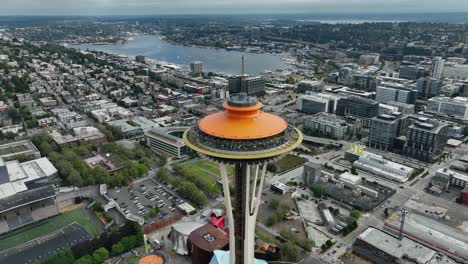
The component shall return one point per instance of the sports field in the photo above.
(47, 226)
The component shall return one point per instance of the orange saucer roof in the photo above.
(242, 122)
(151, 259)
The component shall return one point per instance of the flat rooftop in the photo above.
(22, 147)
(164, 134)
(21, 173)
(27, 197)
(393, 246)
(446, 239)
(453, 173)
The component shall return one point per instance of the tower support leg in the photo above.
(227, 203)
(242, 220)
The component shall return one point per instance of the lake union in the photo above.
(215, 60)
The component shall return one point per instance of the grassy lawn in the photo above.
(290, 161)
(132, 259)
(44, 227)
(208, 170)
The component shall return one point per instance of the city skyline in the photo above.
(343, 136)
(147, 7)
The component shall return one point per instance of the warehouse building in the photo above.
(431, 233)
(381, 247)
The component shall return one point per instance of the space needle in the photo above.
(249, 139)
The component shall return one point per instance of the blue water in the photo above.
(215, 60)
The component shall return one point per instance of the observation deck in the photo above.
(242, 132)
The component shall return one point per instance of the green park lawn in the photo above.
(207, 170)
(47, 226)
(290, 161)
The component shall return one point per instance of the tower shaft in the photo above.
(240, 210)
(242, 218)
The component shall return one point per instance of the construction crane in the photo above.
(402, 218)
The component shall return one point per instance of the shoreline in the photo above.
(285, 57)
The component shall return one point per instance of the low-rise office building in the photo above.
(379, 166)
(456, 107)
(167, 141)
(455, 178)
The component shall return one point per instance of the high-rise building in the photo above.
(437, 67)
(358, 107)
(196, 67)
(456, 107)
(140, 58)
(365, 82)
(428, 87)
(312, 172)
(327, 125)
(253, 86)
(383, 131)
(345, 76)
(404, 109)
(426, 139)
(411, 72)
(396, 92)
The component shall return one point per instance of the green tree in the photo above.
(271, 220)
(10, 135)
(118, 249)
(85, 260)
(289, 252)
(274, 203)
(281, 211)
(306, 243)
(317, 190)
(153, 212)
(142, 169)
(65, 256)
(354, 171)
(74, 178)
(355, 214)
(45, 148)
(129, 242)
(163, 174)
(271, 167)
(15, 115)
(138, 234)
(100, 255)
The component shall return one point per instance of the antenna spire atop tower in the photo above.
(243, 65)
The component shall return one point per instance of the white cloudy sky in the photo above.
(145, 7)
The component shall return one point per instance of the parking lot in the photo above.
(141, 198)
